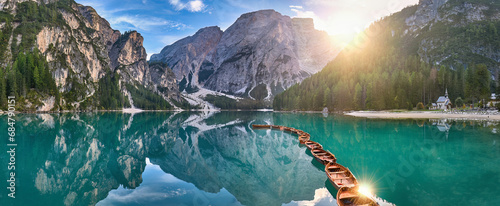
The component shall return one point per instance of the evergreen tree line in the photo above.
(5, 33)
(109, 94)
(146, 99)
(363, 81)
(28, 72)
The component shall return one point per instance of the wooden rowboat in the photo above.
(261, 126)
(313, 145)
(303, 139)
(322, 156)
(295, 131)
(340, 176)
(275, 127)
(350, 196)
(302, 133)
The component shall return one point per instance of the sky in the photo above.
(162, 22)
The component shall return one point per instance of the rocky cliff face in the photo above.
(427, 12)
(454, 32)
(129, 55)
(262, 51)
(81, 48)
(162, 80)
(85, 57)
(187, 56)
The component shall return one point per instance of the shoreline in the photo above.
(137, 110)
(424, 115)
(359, 114)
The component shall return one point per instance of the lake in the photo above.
(197, 158)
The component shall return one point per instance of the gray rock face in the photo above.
(129, 54)
(451, 14)
(162, 80)
(263, 50)
(187, 55)
(427, 11)
(433, 11)
(257, 49)
(94, 21)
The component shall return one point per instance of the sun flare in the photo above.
(343, 39)
(344, 28)
(365, 190)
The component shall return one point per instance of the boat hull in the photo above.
(322, 156)
(313, 145)
(349, 196)
(340, 176)
(303, 139)
(275, 127)
(261, 126)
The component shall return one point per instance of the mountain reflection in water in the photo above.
(195, 158)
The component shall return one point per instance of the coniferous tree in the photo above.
(470, 84)
(483, 78)
(358, 97)
(37, 79)
(12, 83)
(326, 97)
(3, 89)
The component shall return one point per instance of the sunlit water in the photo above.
(217, 159)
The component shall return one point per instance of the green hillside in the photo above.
(393, 65)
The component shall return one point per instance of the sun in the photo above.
(365, 190)
(343, 40)
(344, 27)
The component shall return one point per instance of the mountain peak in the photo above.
(261, 15)
(259, 55)
(266, 12)
(208, 31)
(303, 23)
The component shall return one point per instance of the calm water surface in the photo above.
(217, 159)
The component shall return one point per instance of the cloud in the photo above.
(146, 23)
(192, 6)
(195, 6)
(296, 7)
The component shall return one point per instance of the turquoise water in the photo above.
(217, 159)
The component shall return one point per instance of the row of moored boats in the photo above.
(341, 177)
